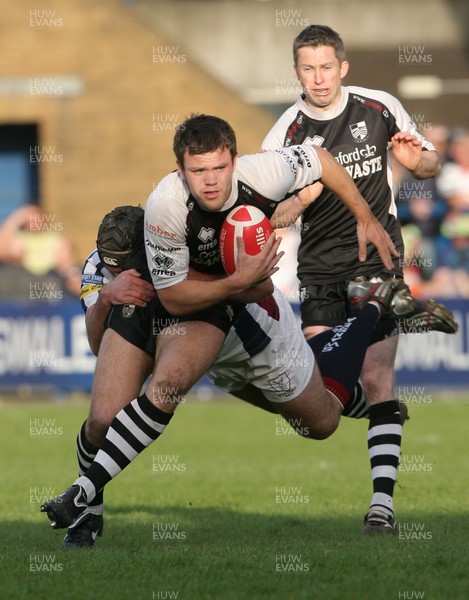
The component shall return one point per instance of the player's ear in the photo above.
(235, 160)
(344, 67)
(180, 169)
(295, 70)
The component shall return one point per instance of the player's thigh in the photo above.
(378, 370)
(184, 352)
(314, 413)
(121, 370)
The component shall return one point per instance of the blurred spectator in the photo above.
(445, 282)
(439, 136)
(435, 218)
(453, 184)
(34, 252)
(421, 210)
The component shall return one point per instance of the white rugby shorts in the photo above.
(282, 370)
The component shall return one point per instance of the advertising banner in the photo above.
(44, 345)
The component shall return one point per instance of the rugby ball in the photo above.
(247, 222)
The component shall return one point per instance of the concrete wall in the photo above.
(107, 81)
(247, 43)
(107, 91)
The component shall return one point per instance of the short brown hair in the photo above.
(319, 35)
(203, 133)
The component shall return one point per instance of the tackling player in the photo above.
(119, 303)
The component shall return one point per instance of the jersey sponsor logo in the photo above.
(302, 157)
(206, 234)
(346, 158)
(246, 190)
(163, 261)
(317, 140)
(291, 132)
(164, 272)
(373, 104)
(208, 258)
(359, 131)
(248, 195)
(289, 159)
(356, 167)
(160, 248)
(157, 229)
(111, 262)
(377, 106)
(128, 310)
(88, 278)
(89, 289)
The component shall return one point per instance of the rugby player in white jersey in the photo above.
(214, 330)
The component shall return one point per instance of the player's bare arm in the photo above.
(254, 294)
(408, 151)
(288, 211)
(127, 288)
(369, 230)
(193, 295)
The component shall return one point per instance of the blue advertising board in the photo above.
(44, 345)
(435, 358)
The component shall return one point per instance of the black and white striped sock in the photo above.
(384, 448)
(133, 429)
(86, 453)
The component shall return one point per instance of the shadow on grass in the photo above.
(224, 527)
(202, 551)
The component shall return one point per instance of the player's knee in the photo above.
(320, 429)
(323, 430)
(376, 385)
(96, 429)
(169, 389)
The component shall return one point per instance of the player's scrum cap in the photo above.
(120, 236)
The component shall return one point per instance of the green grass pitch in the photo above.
(228, 505)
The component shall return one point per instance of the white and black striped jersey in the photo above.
(179, 234)
(94, 276)
(357, 133)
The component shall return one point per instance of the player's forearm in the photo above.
(95, 318)
(429, 166)
(192, 296)
(255, 294)
(339, 181)
(287, 212)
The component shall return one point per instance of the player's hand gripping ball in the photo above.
(247, 222)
